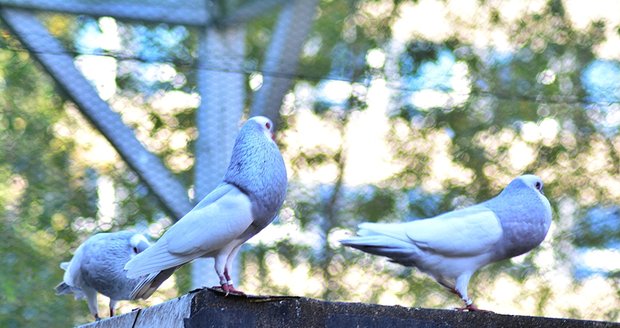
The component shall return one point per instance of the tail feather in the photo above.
(63, 289)
(149, 284)
(155, 259)
(393, 230)
(387, 240)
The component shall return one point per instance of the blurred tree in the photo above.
(526, 110)
(464, 119)
(39, 195)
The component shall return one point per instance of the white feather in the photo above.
(478, 230)
(72, 268)
(136, 239)
(205, 229)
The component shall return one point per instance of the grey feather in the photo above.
(257, 168)
(63, 289)
(452, 246)
(525, 217)
(97, 267)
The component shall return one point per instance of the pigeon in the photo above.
(246, 201)
(452, 246)
(97, 267)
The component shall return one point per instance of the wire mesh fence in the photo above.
(122, 114)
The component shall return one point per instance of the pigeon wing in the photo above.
(208, 227)
(467, 232)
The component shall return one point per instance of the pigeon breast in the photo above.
(258, 170)
(525, 216)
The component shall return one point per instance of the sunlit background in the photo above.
(399, 110)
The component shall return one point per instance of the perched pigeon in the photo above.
(246, 201)
(97, 266)
(452, 246)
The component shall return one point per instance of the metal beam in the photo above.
(294, 24)
(249, 11)
(192, 13)
(184, 12)
(53, 57)
(221, 83)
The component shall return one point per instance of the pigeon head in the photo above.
(525, 183)
(533, 182)
(257, 168)
(263, 124)
(138, 243)
(524, 213)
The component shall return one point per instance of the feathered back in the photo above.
(107, 254)
(257, 168)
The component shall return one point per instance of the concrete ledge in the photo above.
(210, 308)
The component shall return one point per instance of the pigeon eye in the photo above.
(135, 250)
(538, 185)
(268, 126)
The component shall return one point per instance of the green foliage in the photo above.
(38, 195)
(49, 199)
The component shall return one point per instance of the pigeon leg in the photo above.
(461, 290)
(91, 299)
(229, 282)
(228, 269)
(220, 263)
(469, 305)
(112, 306)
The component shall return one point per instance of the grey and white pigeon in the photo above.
(97, 267)
(247, 200)
(452, 246)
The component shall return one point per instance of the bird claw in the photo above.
(235, 291)
(229, 289)
(471, 308)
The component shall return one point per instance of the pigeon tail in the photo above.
(149, 284)
(397, 250)
(63, 289)
(391, 230)
(153, 260)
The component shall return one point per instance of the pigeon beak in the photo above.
(273, 136)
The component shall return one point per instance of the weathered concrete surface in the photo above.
(169, 314)
(208, 308)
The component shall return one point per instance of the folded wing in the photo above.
(467, 232)
(205, 229)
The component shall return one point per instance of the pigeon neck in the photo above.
(525, 217)
(258, 170)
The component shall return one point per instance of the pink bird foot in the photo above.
(229, 289)
(235, 291)
(471, 308)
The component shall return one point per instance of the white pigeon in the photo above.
(452, 246)
(247, 200)
(97, 266)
